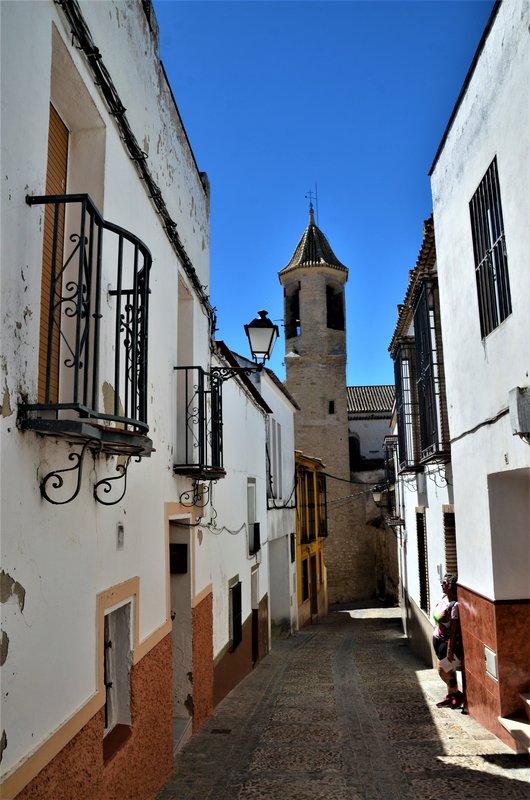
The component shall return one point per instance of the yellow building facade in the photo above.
(311, 531)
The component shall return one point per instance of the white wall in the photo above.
(371, 433)
(224, 546)
(64, 555)
(492, 120)
(282, 521)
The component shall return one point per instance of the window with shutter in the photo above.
(52, 259)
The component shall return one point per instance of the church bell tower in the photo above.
(315, 347)
(315, 359)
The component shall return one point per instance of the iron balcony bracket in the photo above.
(198, 495)
(56, 480)
(106, 484)
(219, 375)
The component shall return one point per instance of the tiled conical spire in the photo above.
(313, 249)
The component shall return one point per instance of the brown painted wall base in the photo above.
(202, 660)
(231, 668)
(140, 767)
(505, 628)
(263, 627)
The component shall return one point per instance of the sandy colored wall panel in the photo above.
(202, 659)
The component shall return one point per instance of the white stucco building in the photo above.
(462, 353)
(281, 499)
(481, 199)
(109, 626)
(420, 503)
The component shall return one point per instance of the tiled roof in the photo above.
(226, 354)
(370, 399)
(425, 267)
(313, 250)
(274, 378)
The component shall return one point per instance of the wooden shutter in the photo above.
(450, 543)
(55, 184)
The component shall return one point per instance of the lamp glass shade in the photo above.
(262, 335)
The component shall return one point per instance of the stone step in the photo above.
(181, 732)
(518, 726)
(526, 700)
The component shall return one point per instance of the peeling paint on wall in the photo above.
(3, 744)
(4, 647)
(108, 400)
(9, 588)
(6, 410)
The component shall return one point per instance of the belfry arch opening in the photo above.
(334, 307)
(292, 310)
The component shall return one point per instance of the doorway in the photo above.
(314, 588)
(180, 599)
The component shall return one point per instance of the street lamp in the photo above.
(262, 335)
(380, 495)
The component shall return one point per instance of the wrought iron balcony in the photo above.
(92, 386)
(199, 451)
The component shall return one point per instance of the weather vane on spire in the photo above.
(310, 196)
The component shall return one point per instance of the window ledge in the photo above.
(201, 473)
(106, 438)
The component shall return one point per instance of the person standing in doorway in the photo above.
(447, 642)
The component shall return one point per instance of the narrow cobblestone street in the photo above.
(344, 711)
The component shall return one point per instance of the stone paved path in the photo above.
(344, 711)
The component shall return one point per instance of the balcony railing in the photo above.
(407, 407)
(199, 452)
(93, 359)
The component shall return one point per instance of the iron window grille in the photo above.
(423, 568)
(406, 406)
(322, 506)
(430, 385)
(199, 449)
(101, 332)
(489, 248)
(311, 505)
(302, 507)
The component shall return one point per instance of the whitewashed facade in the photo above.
(234, 537)
(281, 498)
(77, 574)
(481, 199)
(420, 507)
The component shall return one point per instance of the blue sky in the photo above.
(351, 96)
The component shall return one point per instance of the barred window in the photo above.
(423, 568)
(429, 373)
(406, 405)
(489, 247)
(322, 506)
